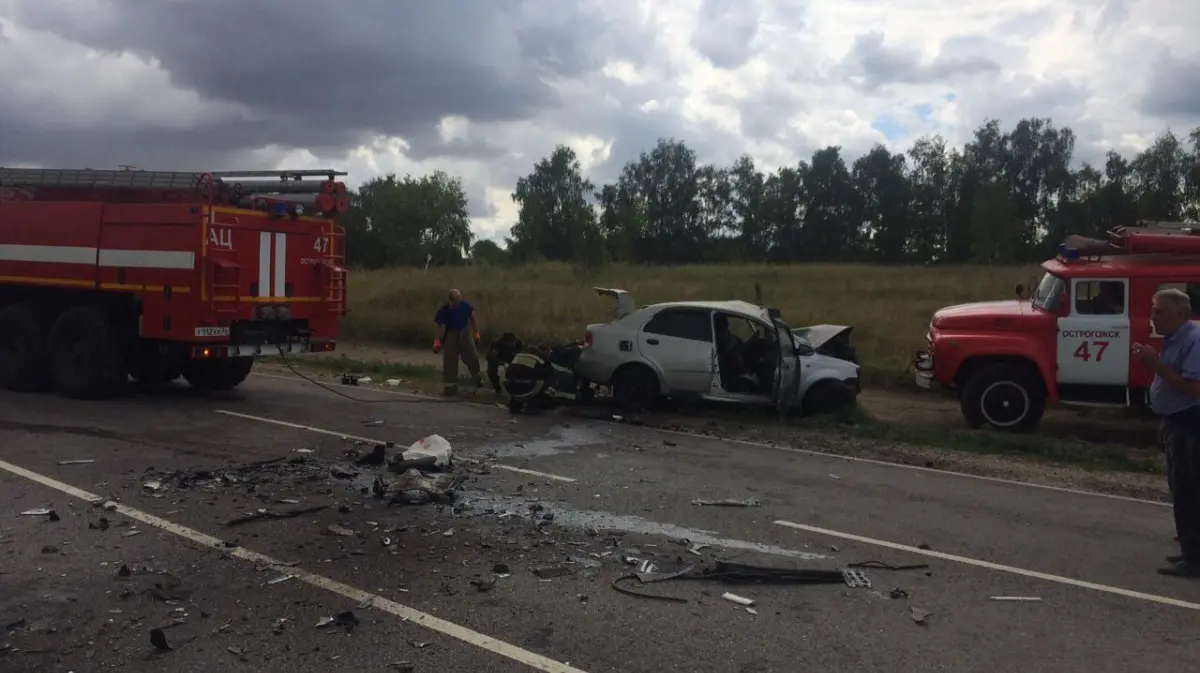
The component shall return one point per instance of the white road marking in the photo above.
(1128, 593)
(408, 614)
(344, 435)
(535, 473)
(805, 452)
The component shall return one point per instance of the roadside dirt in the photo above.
(918, 408)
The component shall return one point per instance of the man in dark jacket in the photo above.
(501, 353)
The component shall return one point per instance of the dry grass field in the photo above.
(889, 307)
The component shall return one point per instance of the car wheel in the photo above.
(1004, 396)
(635, 388)
(828, 397)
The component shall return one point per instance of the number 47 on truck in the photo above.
(1069, 339)
(156, 275)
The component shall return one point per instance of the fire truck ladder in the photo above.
(335, 289)
(152, 180)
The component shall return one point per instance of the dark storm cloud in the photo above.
(1174, 90)
(328, 76)
(879, 65)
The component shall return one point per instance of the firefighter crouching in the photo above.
(457, 334)
(500, 354)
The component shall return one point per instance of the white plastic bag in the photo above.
(433, 445)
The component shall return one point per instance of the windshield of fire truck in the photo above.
(1048, 292)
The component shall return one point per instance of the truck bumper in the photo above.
(923, 371)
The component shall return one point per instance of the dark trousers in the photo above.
(1181, 441)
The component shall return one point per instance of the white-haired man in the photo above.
(1175, 395)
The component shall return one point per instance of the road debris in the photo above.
(347, 620)
(728, 502)
(265, 514)
(734, 598)
(50, 514)
(1022, 599)
(281, 579)
(374, 423)
(335, 529)
(433, 446)
(377, 456)
(552, 572)
(158, 640)
(918, 615)
(414, 488)
(81, 461)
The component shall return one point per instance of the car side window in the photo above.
(681, 323)
(1191, 289)
(1100, 297)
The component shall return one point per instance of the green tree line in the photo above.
(1005, 197)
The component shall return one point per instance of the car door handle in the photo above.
(652, 342)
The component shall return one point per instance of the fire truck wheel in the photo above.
(23, 349)
(218, 375)
(86, 358)
(1004, 396)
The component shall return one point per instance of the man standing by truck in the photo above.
(1175, 395)
(457, 334)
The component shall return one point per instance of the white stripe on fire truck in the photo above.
(142, 259)
(264, 264)
(65, 254)
(280, 265)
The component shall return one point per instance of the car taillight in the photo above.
(588, 339)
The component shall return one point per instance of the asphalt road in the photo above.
(80, 594)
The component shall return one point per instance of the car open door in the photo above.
(787, 372)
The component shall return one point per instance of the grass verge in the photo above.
(857, 424)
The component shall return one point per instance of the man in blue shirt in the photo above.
(1175, 395)
(457, 334)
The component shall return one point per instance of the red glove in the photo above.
(477, 338)
(437, 346)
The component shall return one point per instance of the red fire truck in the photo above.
(1068, 340)
(112, 274)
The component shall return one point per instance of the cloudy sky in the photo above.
(484, 88)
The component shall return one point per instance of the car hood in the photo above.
(819, 335)
(980, 314)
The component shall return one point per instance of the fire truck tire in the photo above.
(218, 375)
(86, 357)
(1007, 397)
(23, 365)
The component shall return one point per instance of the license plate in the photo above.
(212, 331)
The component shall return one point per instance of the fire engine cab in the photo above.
(1069, 339)
(111, 274)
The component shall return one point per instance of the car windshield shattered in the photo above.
(1048, 291)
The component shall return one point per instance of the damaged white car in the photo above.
(725, 351)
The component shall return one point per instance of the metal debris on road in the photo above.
(374, 423)
(81, 461)
(281, 579)
(335, 529)
(729, 502)
(265, 514)
(50, 514)
(1024, 599)
(734, 598)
